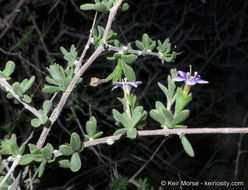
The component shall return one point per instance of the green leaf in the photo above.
(128, 71)
(52, 81)
(164, 89)
(135, 119)
(180, 117)
(125, 121)
(157, 116)
(64, 163)
(91, 127)
(167, 58)
(51, 160)
(171, 87)
(71, 56)
(181, 100)
(97, 135)
(173, 73)
(65, 150)
(26, 159)
(9, 68)
(38, 157)
(116, 74)
(42, 168)
(159, 106)
(28, 84)
(33, 148)
(44, 119)
(180, 126)
(139, 45)
(13, 138)
(47, 151)
(101, 7)
(187, 146)
(75, 142)
(50, 89)
(146, 41)
(168, 115)
(120, 131)
(17, 89)
(117, 115)
(124, 7)
(75, 163)
(132, 133)
(47, 106)
(21, 149)
(129, 58)
(35, 122)
(14, 149)
(87, 6)
(26, 98)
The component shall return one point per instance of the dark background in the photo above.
(213, 36)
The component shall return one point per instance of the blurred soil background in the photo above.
(213, 36)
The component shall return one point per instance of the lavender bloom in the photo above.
(126, 86)
(188, 79)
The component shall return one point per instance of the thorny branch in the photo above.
(98, 51)
(163, 132)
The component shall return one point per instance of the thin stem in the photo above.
(87, 44)
(166, 132)
(136, 52)
(11, 170)
(163, 132)
(239, 148)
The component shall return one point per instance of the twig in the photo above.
(239, 148)
(87, 44)
(162, 132)
(41, 38)
(11, 170)
(147, 162)
(13, 15)
(166, 132)
(136, 52)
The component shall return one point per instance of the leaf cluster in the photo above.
(43, 156)
(72, 150)
(8, 70)
(10, 147)
(124, 61)
(165, 116)
(138, 117)
(103, 6)
(97, 35)
(21, 89)
(60, 78)
(91, 129)
(36, 122)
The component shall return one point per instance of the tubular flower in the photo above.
(126, 86)
(188, 79)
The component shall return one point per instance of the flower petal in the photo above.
(182, 74)
(200, 81)
(134, 83)
(179, 79)
(190, 82)
(115, 86)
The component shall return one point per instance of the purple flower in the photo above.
(188, 79)
(126, 86)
